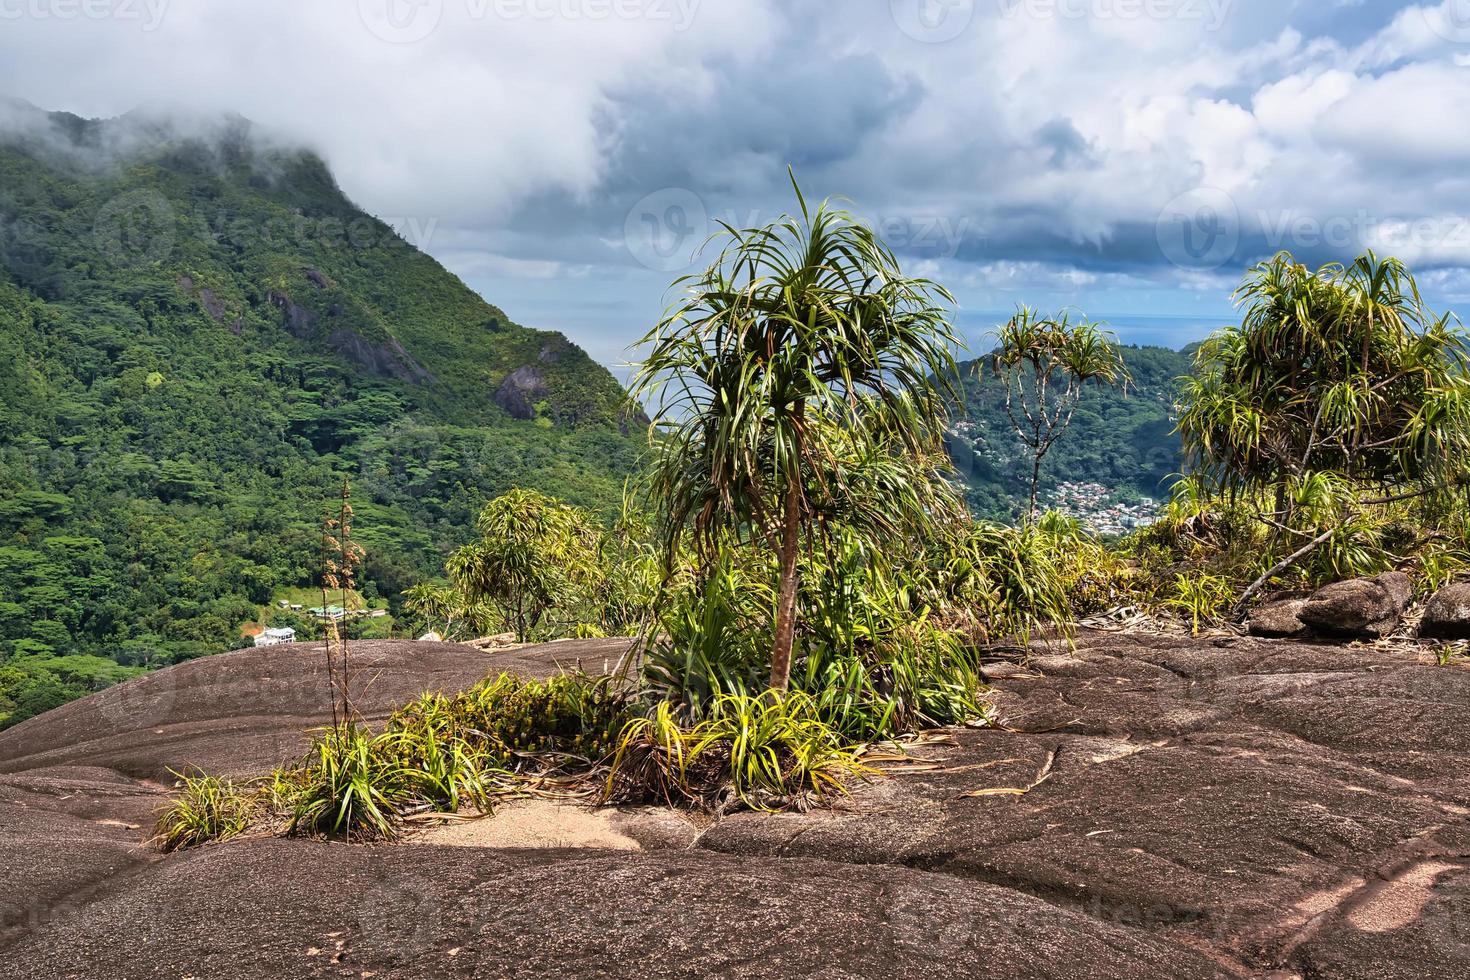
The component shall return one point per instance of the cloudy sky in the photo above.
(566, 157)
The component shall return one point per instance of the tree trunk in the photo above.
(1035, 479)
(1238, 610)
(786, 607)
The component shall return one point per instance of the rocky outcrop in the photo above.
(1152, 807)
(1447, 616)
(386, 358)
(1278, 618)
(632, 418)
(212, 304)
(300, 321)
(520, 391)
(1359, 607)
(177, 717)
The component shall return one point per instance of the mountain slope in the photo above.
(205, 336)
(1124, 442)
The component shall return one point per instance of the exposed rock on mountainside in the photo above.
(520, 391)
(1154, 807)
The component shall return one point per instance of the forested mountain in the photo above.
(1123, 441)
(202, 336)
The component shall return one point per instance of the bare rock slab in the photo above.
(273, 909)
(1153, 806)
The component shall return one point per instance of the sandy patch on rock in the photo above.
(553, 823)
(1400, 901)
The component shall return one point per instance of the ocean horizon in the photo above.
(1138, 329)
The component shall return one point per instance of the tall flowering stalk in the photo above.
(340, 558)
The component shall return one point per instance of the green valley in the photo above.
(1120, 449)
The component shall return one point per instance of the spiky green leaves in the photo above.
(1342, 370)
(799, 334)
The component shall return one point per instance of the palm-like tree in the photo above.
(800, 342)
(1341, 370)
(1045, 362)
(1338, 389)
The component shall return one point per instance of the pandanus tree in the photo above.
(535, 556)
(801, 349)
(1045, 363)
(1338, 390)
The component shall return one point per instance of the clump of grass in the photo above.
(763, 752)
(443, 754)
(1200, 597)
(359, 785)
(1451, 653)
(207, 808)
(444, 770)
(351, 786)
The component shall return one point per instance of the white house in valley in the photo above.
(272, 637)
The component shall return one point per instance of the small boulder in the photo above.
(1400, 586)
(1447, 617)
(1358, 607)
(1277, 618)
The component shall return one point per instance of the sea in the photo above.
(1144, 330)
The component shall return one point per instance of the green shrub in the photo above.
(354, 785)
(207, 808)
(444, 770)
(446, 753)
(766, 752)
(512, 718)
(1015, 577)
(878, 647)
(1200, 597)
(714, 633)
(1442, 563)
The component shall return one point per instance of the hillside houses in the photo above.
(1093, 504)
